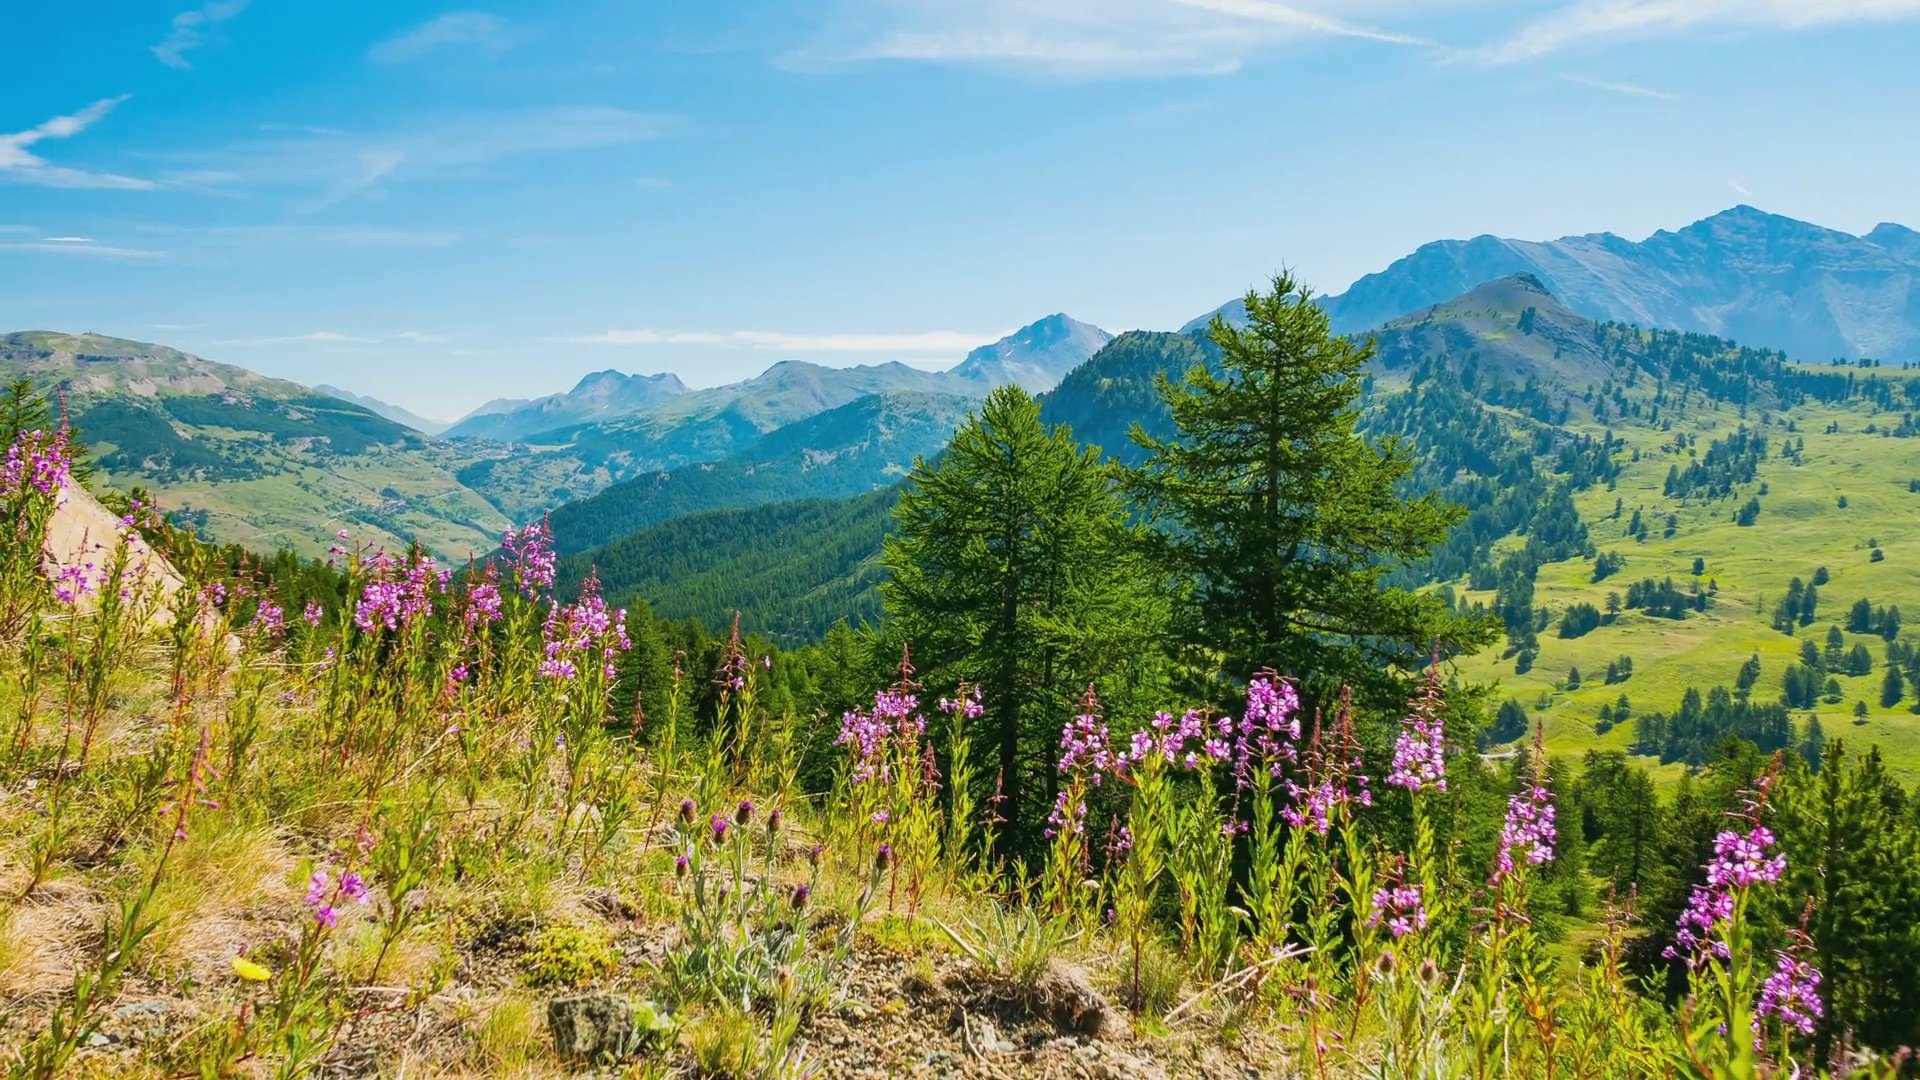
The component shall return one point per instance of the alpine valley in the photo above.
(1672, 452)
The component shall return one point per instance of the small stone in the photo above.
(1067, 996)
(593, 1027)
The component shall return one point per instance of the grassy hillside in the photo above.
(1802, 527)
(250, 459)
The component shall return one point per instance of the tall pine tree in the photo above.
(1013, 568)
(1284, 519)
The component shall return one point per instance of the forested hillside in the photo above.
(249, 459)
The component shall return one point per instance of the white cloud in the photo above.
(1740, 189)
(1627, 88)
(19, 164)
(338, 236)
(1094, 38)
(470, 29)
(192, 29)
(66, 246)
(315, 337)
(931, 341)
(1593, 21)
(335, 337)
(318, 171)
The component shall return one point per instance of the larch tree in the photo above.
(1284, 518)
(1013, 568)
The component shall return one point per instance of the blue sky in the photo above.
(439, 205)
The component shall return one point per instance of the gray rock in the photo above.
(1067, 996)
(593, 1027)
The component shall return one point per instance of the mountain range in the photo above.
(1758, 278)
(392, 412)
(251, 459)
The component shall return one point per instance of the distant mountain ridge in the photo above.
(248, 458)
(560, 464)
(600, 395)
(392, 412)
(1761, 279)
(1035, 357)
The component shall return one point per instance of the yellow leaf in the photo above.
(249, 970)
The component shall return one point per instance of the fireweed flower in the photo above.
(1268, 730)
(582, 636)
(1401, 908)
(1740, 861)
(1334, 780)
(874, 738)
(1087, 758)
(313, 613)
(530, 557)
(1790, 995)
(270, 620)
(398, 596)
(38, 462)
(1420, 753)
(1529, 832)
(483, 604)
(73, 583)
(967, 704)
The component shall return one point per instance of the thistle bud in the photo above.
(815, 854)
(687, 811)
(1385, 965)
(743, 815)
(1429, 973)
(801, 895)
(719, 824)
(680, 866)
(883, 858)
(774, 821)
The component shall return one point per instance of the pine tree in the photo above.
(1013, 568)
(1286, 520)
(1892, 688)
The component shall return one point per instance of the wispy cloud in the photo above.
(1740, 189)
(1594, 21)
(1087, 38)
(315, 337)
(306, 236)
(653, 183)
(316, 171)
(71, 245)
(1627, 88)
(930, 341)
(335, 337)
(19, 164)
(474, 30)
(194, 28)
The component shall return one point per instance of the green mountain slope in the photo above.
(249, 459)
(866, 444)
(792, 569)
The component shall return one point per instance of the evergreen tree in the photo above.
(1892, 688)
(1013, 568)
(1283, 517)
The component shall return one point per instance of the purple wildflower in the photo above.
(1334, 780)
(1420, 754)
(530, 556)
(1401, 908)
(313, 613)
(1740, 861)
